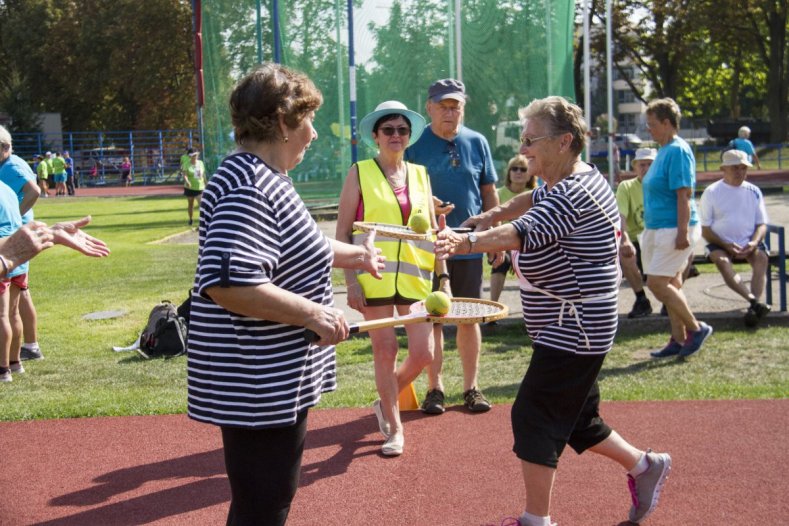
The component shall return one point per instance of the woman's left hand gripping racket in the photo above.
(462, 311)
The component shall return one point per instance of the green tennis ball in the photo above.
(419, 223)
(437, 303)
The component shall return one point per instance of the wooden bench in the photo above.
(776, 257)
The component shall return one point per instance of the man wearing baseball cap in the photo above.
(734, 223)
(463, 178)
(630, 201)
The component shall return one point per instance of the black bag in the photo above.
(165, 334)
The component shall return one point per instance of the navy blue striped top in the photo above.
(242, 371)
(570, 239)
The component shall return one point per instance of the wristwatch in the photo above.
(472, 238)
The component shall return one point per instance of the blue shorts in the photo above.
(60, 178)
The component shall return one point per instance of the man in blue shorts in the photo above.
(463, 177)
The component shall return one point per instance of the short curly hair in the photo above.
(266, 93)
(665, 109)
(559, 116)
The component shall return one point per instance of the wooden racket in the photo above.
(462, 311)
(398, 231)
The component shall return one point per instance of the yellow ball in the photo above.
(437, 303)
(419, 223)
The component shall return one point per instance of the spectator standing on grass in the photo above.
(630, 201)
(70, 182)
(126, 172)
(42, 175)
(59, 173)
(49, 159)
(734, 223)
(386, 189)
(18, 176)
(671, 227)
(194, 182)
(743, 143)
(516, 181)
(460, 166)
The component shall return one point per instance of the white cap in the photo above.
(645, 154)
(735, 158)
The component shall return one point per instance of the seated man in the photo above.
(630, 200)
(733, 222)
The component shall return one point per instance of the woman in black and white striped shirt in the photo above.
(263, 276)
(564, 237)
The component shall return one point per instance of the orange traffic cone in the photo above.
(407, 398)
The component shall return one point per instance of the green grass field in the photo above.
(82, 376)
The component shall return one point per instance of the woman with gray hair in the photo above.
(564, 238)
(743, 143)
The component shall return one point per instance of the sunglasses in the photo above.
(528, 141)
(454, 156)
(522, 169)
(402, 131)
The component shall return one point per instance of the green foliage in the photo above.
(103, 65)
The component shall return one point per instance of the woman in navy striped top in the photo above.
(564, 237)
(263, 276)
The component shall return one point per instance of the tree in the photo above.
(123, 64)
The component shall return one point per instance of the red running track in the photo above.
(730, 460)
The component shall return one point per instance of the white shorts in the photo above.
(659, 256)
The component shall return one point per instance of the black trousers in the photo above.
(263, 468)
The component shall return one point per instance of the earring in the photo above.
(285, 139)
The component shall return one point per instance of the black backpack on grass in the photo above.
(165, 334)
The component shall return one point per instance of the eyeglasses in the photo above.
(528, 141)
(403, 131)
(522, 169)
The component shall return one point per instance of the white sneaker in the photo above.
(6, 377)
(394, 445)
(17, 368)
(383, 425)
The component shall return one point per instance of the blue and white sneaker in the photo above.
(672, 349)
(695, 340)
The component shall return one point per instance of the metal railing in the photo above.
(154, 154)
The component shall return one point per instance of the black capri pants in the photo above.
(558, 404)
(263, 467)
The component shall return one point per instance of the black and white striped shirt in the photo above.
(247, 372)
(570, 239)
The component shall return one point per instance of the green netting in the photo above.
(512, 52)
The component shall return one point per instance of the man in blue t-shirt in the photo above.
(19, 177)
(463, 178)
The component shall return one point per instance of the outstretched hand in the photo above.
(448, 242)
(69, 234)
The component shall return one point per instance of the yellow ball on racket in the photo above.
(437, 303)
(419, 222)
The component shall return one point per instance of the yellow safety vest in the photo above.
(408, 272)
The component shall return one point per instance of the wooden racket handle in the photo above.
(365, 326)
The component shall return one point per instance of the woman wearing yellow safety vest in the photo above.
(386, 189)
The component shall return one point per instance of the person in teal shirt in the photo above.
(671, 227)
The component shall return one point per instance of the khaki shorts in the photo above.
(659, 256)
